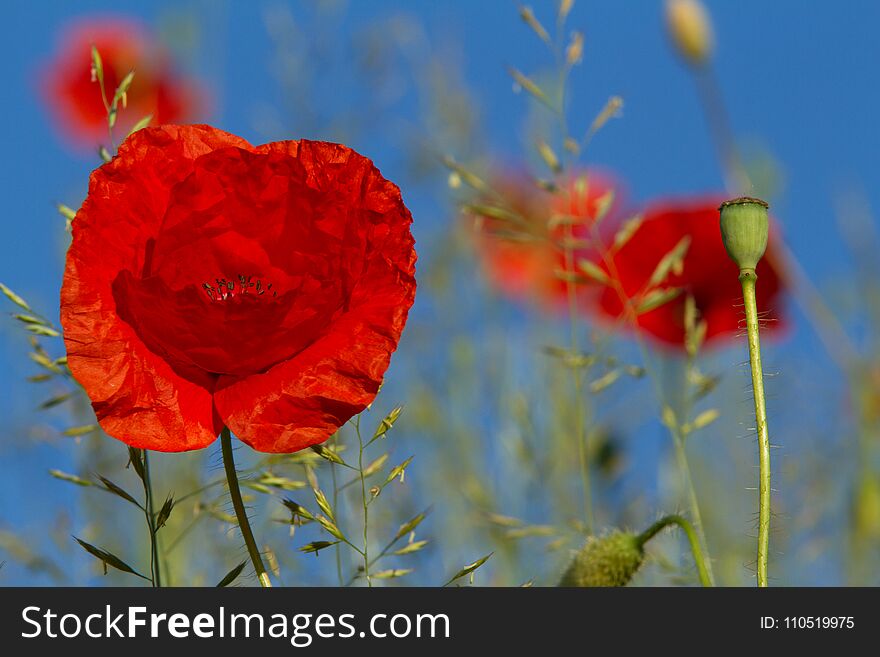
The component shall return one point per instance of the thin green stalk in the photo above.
(336, 548)
(155, 566)
(694, 504)
(365, 552)
(699, 559)
(244, 524)
(684, 469)
(748, 278)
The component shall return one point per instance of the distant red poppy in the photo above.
(521, 260)
(708, 273)
(210, 282)
(124, 45)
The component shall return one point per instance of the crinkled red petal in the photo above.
(168, 354)
(302, 401)
(708, 274)
(137, 396)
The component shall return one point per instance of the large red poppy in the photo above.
(709, 275)
(124, 45)
(211, 282)
(522, 260)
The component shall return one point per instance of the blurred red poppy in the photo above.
(210, 282)
(522, 258)
(708, 274)
(74, 96)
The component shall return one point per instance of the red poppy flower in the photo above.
(124, 45)
(522, 260)
(210, 282)
(708, 274)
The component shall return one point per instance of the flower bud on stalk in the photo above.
(609, 560)
(690, 30)
(613, 559)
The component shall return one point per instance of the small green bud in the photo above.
(609, 560)
(744, 230)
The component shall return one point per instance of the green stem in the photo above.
(685, 471)
(748, 277)
(365, 552)
(155, 567)
(336, 547)
(244, 524)
(693, 539)
(372, 562)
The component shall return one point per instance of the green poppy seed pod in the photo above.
(744, 230)
(609, 560)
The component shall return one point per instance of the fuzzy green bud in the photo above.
(609, 560)
(744, 230)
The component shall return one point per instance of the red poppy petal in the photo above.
(708, 274)
(326, 224)
(305, 399)
(244, 274)
(522, 262)
(136, 395)
(125, 45)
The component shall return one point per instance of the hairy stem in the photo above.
(244, 524)
(693, 539)
(748, 278)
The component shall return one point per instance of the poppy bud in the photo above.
(744, 230)
(609, 560)
(690, 29)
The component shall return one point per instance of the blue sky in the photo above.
(798, 79)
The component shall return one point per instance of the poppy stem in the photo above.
(693, 539)
(748, 277)
(240, 512)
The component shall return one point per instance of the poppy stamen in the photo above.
(226, 288)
